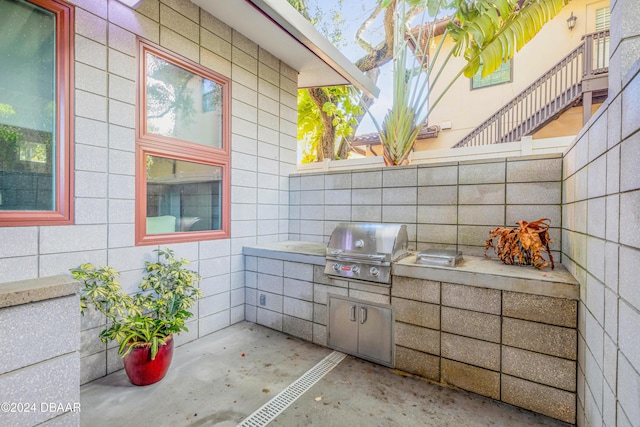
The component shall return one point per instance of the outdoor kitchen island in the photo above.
(506, 332)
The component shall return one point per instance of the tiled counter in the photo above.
(505, 332)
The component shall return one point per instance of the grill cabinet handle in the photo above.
(363, 315)
(352, 311)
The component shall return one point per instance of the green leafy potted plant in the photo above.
(143, 324)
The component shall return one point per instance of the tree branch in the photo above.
(364, 44)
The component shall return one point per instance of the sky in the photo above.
(354, 13)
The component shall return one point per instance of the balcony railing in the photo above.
(555, 91)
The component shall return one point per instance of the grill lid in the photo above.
(369, 242)
(366, 251)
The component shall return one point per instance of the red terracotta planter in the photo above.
(141, 370)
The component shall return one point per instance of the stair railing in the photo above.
(555, 91)
(596, 53)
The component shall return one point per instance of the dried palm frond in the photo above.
(523, 245)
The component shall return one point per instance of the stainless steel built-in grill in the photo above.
(366, 251)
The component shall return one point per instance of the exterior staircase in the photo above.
(581, 77)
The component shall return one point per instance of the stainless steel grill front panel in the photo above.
(365, 251)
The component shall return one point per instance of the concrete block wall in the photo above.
(601, 208)
(511, 346)
(263, 154)
(39, 358)
(447, 205)
(291, 296)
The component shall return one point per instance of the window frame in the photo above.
(63, 214)
(178, 149)
(603, 18)
(510, 61)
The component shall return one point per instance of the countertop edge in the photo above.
(566, 288)
(277, 251)
(558, 283)
(35, 290)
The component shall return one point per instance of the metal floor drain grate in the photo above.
(267, 412)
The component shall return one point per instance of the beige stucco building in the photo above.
(464, 107)
(468, 103)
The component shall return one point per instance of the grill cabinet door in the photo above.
(361, 329)
(343, 325)
(374, 335)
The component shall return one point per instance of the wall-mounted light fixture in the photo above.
(571, 21)
(131, 3)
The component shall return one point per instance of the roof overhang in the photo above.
(278, 28)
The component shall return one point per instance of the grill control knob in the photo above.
(355, 268)
(359, 243)
(336, 267)
(374, 271)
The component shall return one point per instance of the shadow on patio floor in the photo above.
(224, 377)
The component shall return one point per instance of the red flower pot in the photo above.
(141, 370)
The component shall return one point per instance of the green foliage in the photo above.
(492, 31)
(433, 7)
(6, 110)
(487, 31)
(169, 290)
(301, 6)
(39, 153)
(402, 123)
(328, 21)
(9, 139)
(342, 108)
(310, 126)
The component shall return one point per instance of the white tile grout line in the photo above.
(270, 410)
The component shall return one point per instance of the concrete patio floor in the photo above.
(224, 377)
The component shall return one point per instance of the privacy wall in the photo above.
(445, 205)
(601, 212)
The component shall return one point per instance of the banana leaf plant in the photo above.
(483, 31)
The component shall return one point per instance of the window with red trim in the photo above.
(182, 153)
(36, 122)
